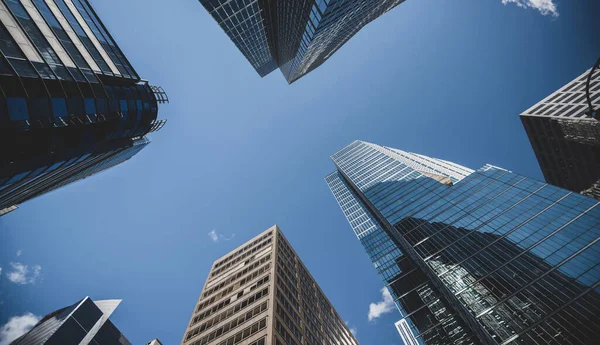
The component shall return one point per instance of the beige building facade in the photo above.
(262, 294)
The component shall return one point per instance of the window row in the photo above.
(240, 258)
(212, 300)
(290, 323)
(287, 338)
(250, 314)
(249, 289)
(245, 334)
(225, 315)
(242, 273)
(225, 303)
(248, 246)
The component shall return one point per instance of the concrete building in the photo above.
(566, 138)
(262, 294)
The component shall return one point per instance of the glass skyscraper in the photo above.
(105, 157)
(481, 256)
(83, 323)
(566, 138)
(296, 36)
(68, 95)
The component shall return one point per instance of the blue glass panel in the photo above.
(17, 108)
(59, 107)
(90, 106)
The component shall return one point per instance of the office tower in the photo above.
(262, 294)
(474, 257)
(107, 156)
(296, 36)
(67, 93)
(565, 138)
(85, 322)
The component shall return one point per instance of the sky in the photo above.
(238, 154)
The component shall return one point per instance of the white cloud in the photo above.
(546, 7)
(382, 307)
(21, 274)
(216, 237)
(19, 252)
(353, 330)
(213, 236)
(16, 327)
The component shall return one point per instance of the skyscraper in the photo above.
(85, 322)
(473, 257)
(296, 36)
(565, 138)
(262, 294)
(67, 93)
(106, 156)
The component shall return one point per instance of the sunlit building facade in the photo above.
(566, 138)
(296, 36)
(67, 91)
(262, 294)
(473, 257)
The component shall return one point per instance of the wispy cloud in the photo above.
(381, 307)
(213, 236)
(19, 252)
(352, 329)
(216, 237)
(22, 274)
(546, 7)
(16, 327)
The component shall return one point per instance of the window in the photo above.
(90, 106)
(39, 108)
(124, 108)
(17, 178)
(17, 108)
(76, 106)
(59, 107)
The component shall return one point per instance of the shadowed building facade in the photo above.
(68, 95)
(262, 294)
(296, 36)
(473, 257)
(565, 138)
(85, 322)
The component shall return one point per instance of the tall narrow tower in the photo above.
(262, 294)
(473, 257)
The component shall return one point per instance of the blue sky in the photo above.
(239, 153)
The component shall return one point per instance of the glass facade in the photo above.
(296, 36)
(66, 90)
(474, 257)
(85, 322)
(565, 138)
(49, 178)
